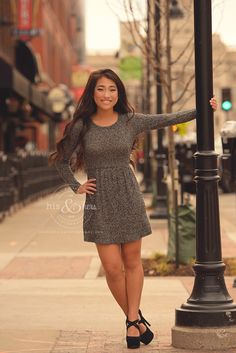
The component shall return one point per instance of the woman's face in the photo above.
(105, 93)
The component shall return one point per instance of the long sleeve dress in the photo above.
(116, 212)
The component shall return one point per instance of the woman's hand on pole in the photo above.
(213, 103)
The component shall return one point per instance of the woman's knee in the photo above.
(131, 254)
(132, 260)
(110, 257)
(132, 263)
(113, 270)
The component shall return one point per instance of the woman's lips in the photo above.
(106, 102)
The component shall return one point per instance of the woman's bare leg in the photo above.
(131, 254)
(111, 259)
(110, 256)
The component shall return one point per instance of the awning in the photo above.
(40, 101)
(11, 80)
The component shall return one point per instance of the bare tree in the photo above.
(168, 74)
(176, 67)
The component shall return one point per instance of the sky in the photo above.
(102, 23)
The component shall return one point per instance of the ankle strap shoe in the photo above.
(132, 341)
(148, 335)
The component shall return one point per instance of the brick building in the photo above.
(40, 40)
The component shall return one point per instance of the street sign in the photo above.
(32, 32)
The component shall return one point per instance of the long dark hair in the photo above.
(86, 107)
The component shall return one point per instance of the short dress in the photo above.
(116, 212)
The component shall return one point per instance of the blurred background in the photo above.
(48, 49)
(51, 280)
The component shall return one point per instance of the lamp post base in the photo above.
(209, 304)
(213, 338)
(222, 315)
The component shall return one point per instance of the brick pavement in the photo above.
(99, 342)
(104, 342)
(87, 341)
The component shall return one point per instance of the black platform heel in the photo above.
(132, 341)
(148, 335)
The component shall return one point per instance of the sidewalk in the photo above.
(52, 300)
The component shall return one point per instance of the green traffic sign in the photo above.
(226, 105)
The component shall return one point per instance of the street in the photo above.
(52, 299)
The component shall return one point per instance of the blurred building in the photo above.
(126, 62)
(40, 41)
(224, 71)
(183, 68)
(131, 61)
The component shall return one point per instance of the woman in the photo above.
(103, 134)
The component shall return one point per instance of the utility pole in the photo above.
(161, 210)
(148, 138)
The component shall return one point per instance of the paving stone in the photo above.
(46, 267)
(71, 342)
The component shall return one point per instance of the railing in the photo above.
(25, 177)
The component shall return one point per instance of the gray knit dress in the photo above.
(116, 212)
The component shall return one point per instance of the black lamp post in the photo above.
(209, 304)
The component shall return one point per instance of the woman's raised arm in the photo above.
(143, 122)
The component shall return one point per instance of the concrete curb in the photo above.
(214, 338)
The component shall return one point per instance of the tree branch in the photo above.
(183, 51)
(184, 89)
